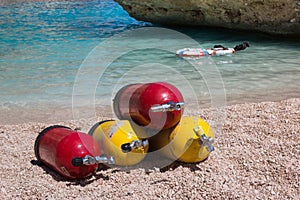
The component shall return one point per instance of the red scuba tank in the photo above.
(72, 154)
(157, 105)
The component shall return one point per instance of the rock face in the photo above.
(272, 16)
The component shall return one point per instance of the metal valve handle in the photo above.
(170, 106)
(90, 160)
(135, 144)
(205, 141)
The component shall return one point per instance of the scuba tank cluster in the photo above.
(150, 118)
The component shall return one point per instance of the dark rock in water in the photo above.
(271, 16)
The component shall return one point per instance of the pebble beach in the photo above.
(257, 156)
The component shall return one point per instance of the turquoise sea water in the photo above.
(44, 44)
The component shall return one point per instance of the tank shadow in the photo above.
(192, 166)
(69, 182)
(154, 164)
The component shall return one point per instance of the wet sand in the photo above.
(257, 156)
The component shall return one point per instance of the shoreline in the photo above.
(56, 113)
(257, 156)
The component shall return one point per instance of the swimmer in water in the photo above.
(239, 47)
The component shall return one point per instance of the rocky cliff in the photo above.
(272, 16)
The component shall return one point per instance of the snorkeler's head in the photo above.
(246, 44)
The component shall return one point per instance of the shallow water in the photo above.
(44, 45)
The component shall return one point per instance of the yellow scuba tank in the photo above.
(190, 141)
(119, 139)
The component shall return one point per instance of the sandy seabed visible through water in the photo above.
(257, 156)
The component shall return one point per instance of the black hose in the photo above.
(76, 162)
(126, 147)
